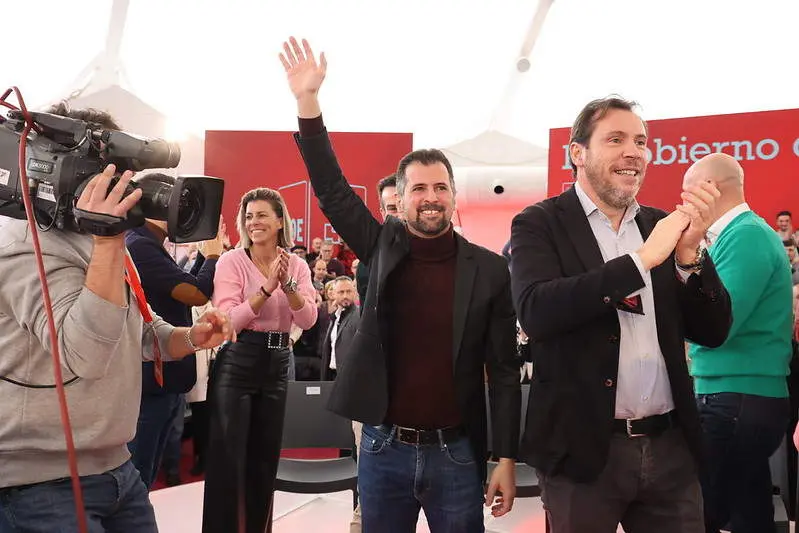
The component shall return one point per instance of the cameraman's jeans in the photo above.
(396, 479)
(116, 502)
(156, 418)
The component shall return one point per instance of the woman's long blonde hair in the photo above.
(285, 237)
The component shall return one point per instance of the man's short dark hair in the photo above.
(298, 247)
(95, 117)
(789, 242)
(593, 112)
(388, 181)
(426, 157)
(784, 214)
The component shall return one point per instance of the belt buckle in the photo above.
(404, 431)
(273, 344)
(630, 433)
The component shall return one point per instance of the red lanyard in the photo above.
(132, 277)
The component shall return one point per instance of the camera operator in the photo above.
(102, 341)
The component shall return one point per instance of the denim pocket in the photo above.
(373, 441)
(459, 452)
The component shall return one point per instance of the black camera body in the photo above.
(65, 153)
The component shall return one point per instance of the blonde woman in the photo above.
(265, 290)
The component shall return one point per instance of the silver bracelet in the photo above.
(190, 344)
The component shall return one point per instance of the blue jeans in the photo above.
(740, 433)
(174, 440)
(395, 480)
(156, 418)
(115, 502)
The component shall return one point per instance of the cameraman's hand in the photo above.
(96, 198)
(212, 329)
(105, 276)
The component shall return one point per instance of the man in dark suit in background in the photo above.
(437, 316)
(338, 338)
(387, 195)
(609, 290)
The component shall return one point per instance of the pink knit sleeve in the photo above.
(229, 288)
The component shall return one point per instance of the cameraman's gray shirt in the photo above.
(100, 343)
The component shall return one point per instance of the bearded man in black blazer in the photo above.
(437, 317)
(609, 290)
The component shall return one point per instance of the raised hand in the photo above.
(699, 205)
(661, 242)
(304, 74)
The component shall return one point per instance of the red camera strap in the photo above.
(132, 277)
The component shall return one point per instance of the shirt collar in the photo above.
(590, 207)
(724, 220)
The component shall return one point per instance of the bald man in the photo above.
(741, 386)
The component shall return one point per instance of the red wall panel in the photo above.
(249, 159)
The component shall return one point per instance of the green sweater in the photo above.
(751, 262)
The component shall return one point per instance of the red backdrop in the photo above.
(249, 159)
(765, 143)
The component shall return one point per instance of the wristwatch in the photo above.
(290, 285)
(701, 253)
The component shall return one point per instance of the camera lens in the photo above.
(190, 209)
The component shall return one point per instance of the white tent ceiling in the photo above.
(437, 69)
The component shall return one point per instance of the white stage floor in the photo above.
(179, 510)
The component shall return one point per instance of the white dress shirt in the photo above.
(333, 337)
(642, 387)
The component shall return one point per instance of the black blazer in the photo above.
(565, 295)
(484, 335)
(347, 326)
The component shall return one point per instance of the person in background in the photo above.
(316, 248)
(319, 269)
(346, 256)
(171, 292)
(741, 387)
(793, 260)
(785, 227)
(389, 206)
(334, 266)
(300, 251)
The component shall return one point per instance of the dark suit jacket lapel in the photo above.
(465, 273)
(572, 216)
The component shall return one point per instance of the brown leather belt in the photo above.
(424, 436)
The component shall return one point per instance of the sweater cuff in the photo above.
(310, 127)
